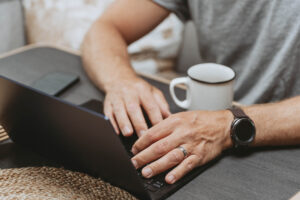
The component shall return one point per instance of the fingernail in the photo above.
(134, 150)
(134, 163)
(126, 131)
(171, 179)
(147, 172)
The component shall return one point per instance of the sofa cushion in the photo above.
(65, 23)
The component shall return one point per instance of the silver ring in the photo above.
(185, 153)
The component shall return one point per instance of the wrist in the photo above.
(227, 143)
(119, 80)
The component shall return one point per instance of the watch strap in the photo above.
(238, 112)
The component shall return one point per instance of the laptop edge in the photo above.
(21, 108)
(62, 129)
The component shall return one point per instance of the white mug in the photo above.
(209, 87)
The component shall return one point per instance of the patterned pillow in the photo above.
(65, 22)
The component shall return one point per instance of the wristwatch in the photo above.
(242, 128)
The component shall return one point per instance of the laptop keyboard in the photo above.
(152, 184)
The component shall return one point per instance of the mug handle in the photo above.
(185, 103)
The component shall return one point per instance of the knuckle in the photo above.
(141, 86)
(177, 116)
(132, 107)
(161, 147)
(198, 158)
(186, 133)
(106, 99)
(190, 164)
(175, 157)
(107, 109)
(122, 90)
(175, 119)
(150, 137)
(117, 108)
(137, 147)
(106, 102)
(151, 107)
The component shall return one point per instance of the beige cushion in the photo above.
(65, 22)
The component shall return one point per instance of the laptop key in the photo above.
(151, 188)
(158, 184)
(149, 181)
(146, 185)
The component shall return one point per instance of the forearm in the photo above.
(276, 123)
(105, 55)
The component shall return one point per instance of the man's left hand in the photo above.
(203, 135)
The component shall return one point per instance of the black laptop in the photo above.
(79, 137)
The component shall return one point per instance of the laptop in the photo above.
(80, 138)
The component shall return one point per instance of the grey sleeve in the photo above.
(179, 7)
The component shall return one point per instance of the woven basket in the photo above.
(55, 183)
(3, 134)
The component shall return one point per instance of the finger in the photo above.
(155, 151)
(183, 168)
(108, 111)
(154, 134)
(171, 159)
(162, 103)
(136, 116)
(122, 118)
(152, 109)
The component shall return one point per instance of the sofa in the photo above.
(12, 32)
(13, 35)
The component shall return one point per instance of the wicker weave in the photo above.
(3, 134)
(53, 183)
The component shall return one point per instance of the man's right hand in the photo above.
(124, 102)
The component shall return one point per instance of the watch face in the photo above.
(244, 131)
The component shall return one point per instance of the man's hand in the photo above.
(124, 102)
(203, 134)
(106, 61)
